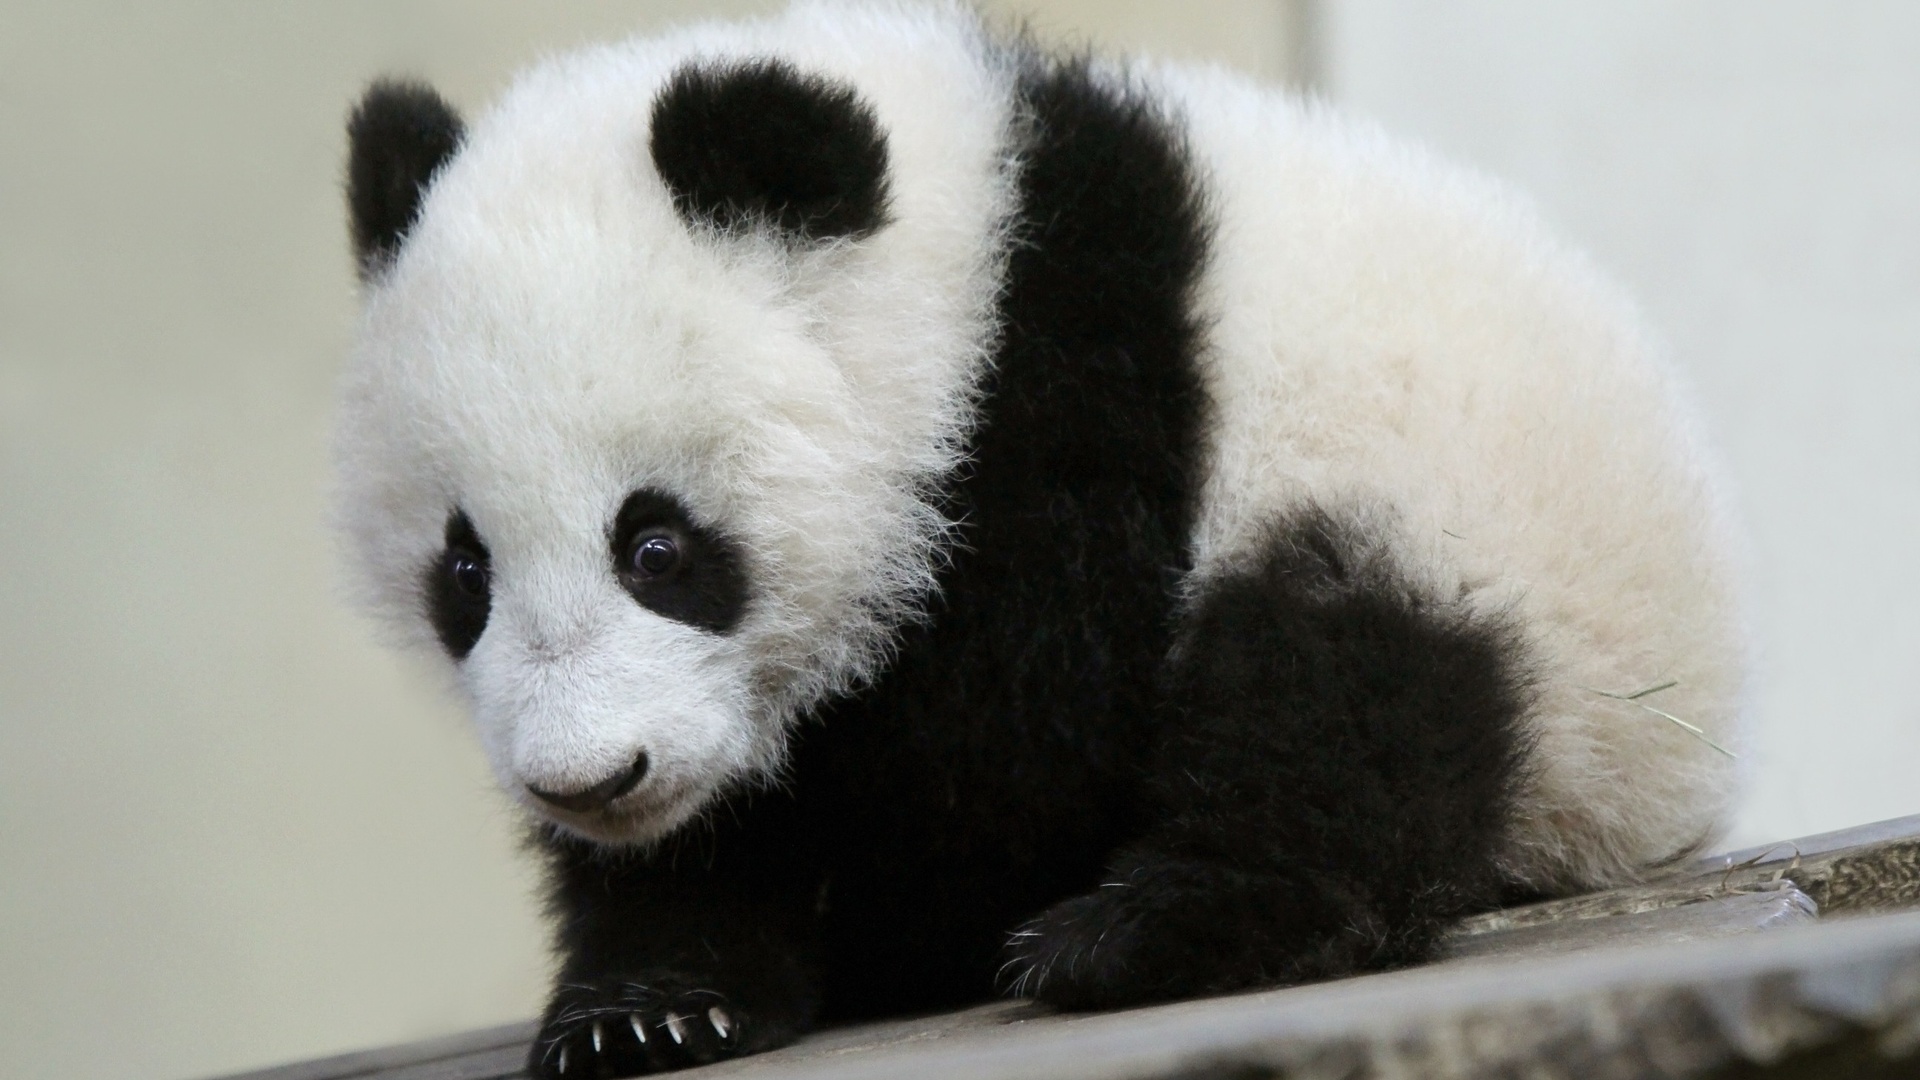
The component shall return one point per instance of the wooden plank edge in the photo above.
(386, 1058)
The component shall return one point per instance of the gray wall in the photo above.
(233, 831)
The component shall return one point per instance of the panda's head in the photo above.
(594, 446)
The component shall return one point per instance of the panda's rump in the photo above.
(1398, 340)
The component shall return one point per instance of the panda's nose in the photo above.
(600, 794)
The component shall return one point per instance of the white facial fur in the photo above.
(553, 337)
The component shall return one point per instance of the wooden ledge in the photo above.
(1713, 966)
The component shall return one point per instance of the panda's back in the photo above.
(1399, 337)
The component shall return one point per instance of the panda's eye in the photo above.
(676, 566)
(458, 587)
(468, 572)
(655, 556)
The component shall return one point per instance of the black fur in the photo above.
(758, 142)
(1304, 774)
(1329, 792)
(998, 762)
(706, 587)
(703, 922)
(458, 588)
(400, 133)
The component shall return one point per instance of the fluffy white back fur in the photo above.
(1389, 336)
(1402, 339)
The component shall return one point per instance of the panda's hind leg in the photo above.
(1339, 758)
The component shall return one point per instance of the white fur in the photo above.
(1388, 336)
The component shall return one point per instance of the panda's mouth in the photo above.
(644, 813)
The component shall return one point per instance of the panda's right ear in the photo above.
(398, 135)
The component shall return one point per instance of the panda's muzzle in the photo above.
(599, 795)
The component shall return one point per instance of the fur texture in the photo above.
(398, 136)
(913, 514)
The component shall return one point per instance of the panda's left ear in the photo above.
(757, 144)
(400, 133)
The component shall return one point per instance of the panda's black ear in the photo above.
(398, 135)
(757, 143)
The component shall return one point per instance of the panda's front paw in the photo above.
(633, 1027)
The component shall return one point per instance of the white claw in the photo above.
(676, 1029)
(639, 1029)
(563, 1059)
(722, 1023)
(596, 1036)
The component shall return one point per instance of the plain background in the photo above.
(233, 831)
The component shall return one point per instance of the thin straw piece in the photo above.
(1634, 699)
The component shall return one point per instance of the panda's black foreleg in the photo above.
(671, 958)
(1338, 766)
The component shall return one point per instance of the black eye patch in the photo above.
(459, 587)
(676, 567)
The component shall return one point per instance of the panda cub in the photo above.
(915, 515)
